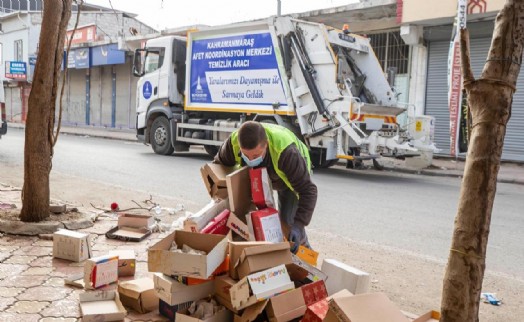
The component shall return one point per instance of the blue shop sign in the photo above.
(79, 58)
(15, 69)
(107, 55)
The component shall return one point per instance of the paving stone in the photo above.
(42, 261)
(44, 293)
(38, 271)
(7, 270)
(27, 307)
(43, 242)
(64, 271)
(32, 229)
(5, 302)
(4, 256)
(12, 317)
(31, 250)
(66, 308)
(78, 224)
(58, 320)
(23, 281)
(10, 291)
(19, 241)
(8, 249)
(54, 281)
(20, 259)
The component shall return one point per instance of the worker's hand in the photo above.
(297, 235)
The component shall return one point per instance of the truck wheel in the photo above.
(160, 136)
(318, 159)
(212, 150)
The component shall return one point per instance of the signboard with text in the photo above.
(16, 70)
(107, 55)
(239, 70)
(82, 35)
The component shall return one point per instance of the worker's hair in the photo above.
(251, 134)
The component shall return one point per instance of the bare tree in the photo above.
(489, 99)
(39, 136)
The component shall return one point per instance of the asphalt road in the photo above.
(408, 212)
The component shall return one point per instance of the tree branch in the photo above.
(465, 62)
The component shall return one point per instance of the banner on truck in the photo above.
(240, 69)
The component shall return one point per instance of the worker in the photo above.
(288, 165)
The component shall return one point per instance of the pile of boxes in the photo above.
(231, 262)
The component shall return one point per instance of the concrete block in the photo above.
(342, 276)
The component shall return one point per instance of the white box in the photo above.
(71, 245)
(342, 276)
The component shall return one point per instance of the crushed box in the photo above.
(128, 233)
(214, 177)
(197, 221)
(258, 258)
(100, 271)
(101, 306)
(286, 306)
(126, 261)
(71, 245)
(173, 292)
(239, 227)
(342, 276)
(365, 308)
(235, 251)
(170, 311)
(139, 295)
(218, 225)
(162, 259)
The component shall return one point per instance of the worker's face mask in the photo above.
(252, 163)
(254, 157)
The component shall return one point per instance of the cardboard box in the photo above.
(221, 270)
(239, 191)
(286, 306)
(307, 255)
(71, 245)
(161, 259)
(261, 188)
(139, 295)
(258, 258)
(136, 221)
(214, 177)
(251, 313)
(222, 316)
(223, 285)
(170, 311)
(316, 312)
(365, 308)
(101, 306)
(314, 292)
(431, 316)
(173, 292)
(342, 276)
(126, 261)
(239, 227)
(259, 286)
(218, 225)
(310, 273)
(267, 226)
(100, 271)
(196, 222)
(128, 233)
(235, 251)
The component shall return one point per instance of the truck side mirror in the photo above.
(138, 67)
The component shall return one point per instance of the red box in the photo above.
(314, 292)
(267, 226)
(316, 312)
(218, 225)
(261, 189)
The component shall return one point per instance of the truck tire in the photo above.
(212, 150)
(318, 159)
(160, 136)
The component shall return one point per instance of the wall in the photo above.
(419, 10)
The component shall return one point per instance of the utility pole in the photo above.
(279, 8)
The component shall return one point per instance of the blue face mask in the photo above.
(252, 163)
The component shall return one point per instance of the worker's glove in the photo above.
(297, 235)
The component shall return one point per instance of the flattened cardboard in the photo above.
(239, 227)
(75, 280)
(170, 311)
(139, 295)
(128, 233)
(161, 259)
(286, 306)
(126, 261)
(222, 316)
(366, 308)
(239, 191)
(235, 250)
(71, 245)
(101, 306)
(136, 221)
(173, 292)
(214, 177)
(100, 271)
(431, 316)
(258, 258)
(196, 222)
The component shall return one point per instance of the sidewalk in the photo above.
(441, 167)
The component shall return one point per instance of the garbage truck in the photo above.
(324, 84)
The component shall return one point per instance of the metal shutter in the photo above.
(437, 93)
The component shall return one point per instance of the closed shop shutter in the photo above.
(437, 94)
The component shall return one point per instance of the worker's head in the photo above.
(253, 143)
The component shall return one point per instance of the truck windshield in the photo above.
(154, 59)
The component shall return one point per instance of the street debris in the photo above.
(490, 298)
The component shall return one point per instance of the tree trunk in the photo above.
(38, 150)
(489, 99)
